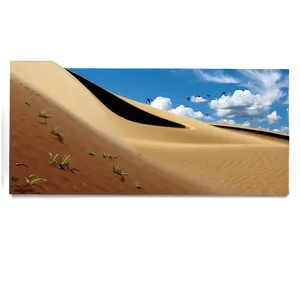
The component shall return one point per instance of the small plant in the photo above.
(53, 161)
(58, 133)
(90, 152)
(14, 179)
(28, 103)
(30, 181)
(45, 116)
(137, 184)
(34, 180)
(106, 155)
(65, 163)
(119, 171)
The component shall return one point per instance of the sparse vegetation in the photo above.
(53, 161)
(58, 133)
(65, 163)
(45, 116)
(137, 184)
(14, 179)
(90, 152)
(28, 103)
(106, 155)
(34, 180)
(30, 181)
(119, 171)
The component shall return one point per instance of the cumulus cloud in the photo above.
(263, 128)
(197, 99)
(266, 89)
(283, 129)
(273, 117)
(225, 121)
(232, 122)
(208, 118)
(181, 110)
(218, 77)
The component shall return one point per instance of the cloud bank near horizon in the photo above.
(259, 90)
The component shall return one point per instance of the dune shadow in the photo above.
(124, 109)
(253, 130)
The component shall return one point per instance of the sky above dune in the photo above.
(255, 98)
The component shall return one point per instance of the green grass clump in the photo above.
(119, 171)
(65, 162)
(58, 133)
(45, 116)
(53, 161)
(30, 180)
(90, 152)
(14, 179)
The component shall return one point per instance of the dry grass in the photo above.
(90, 152)
(56, 131)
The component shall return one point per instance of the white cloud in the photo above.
(181, 110)
(197, 99)
(240, 104)
(162, 103)
(273, 117)
(219, 77)
(282, 129)
(263, 128)
(208, 118)
(266, 89)
(232, 122)
(225, 121)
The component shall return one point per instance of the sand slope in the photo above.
(225, 160)
(30, 142)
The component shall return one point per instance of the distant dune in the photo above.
(168, 154)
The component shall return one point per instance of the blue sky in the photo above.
(256, 98)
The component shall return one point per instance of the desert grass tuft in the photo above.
(137, 184)
(65, 163)
(90, 152)
(119, 171)
(53, 161)
(106, 155)
(14, 179)
(28, 186)
(45, 116)
(28, 103)
(30, 180)
(56, 131)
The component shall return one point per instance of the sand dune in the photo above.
(30, 142)
(214, 159)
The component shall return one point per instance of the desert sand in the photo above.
(166, 153)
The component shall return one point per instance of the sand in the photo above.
(168, 154)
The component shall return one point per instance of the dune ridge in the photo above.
(219, 159)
